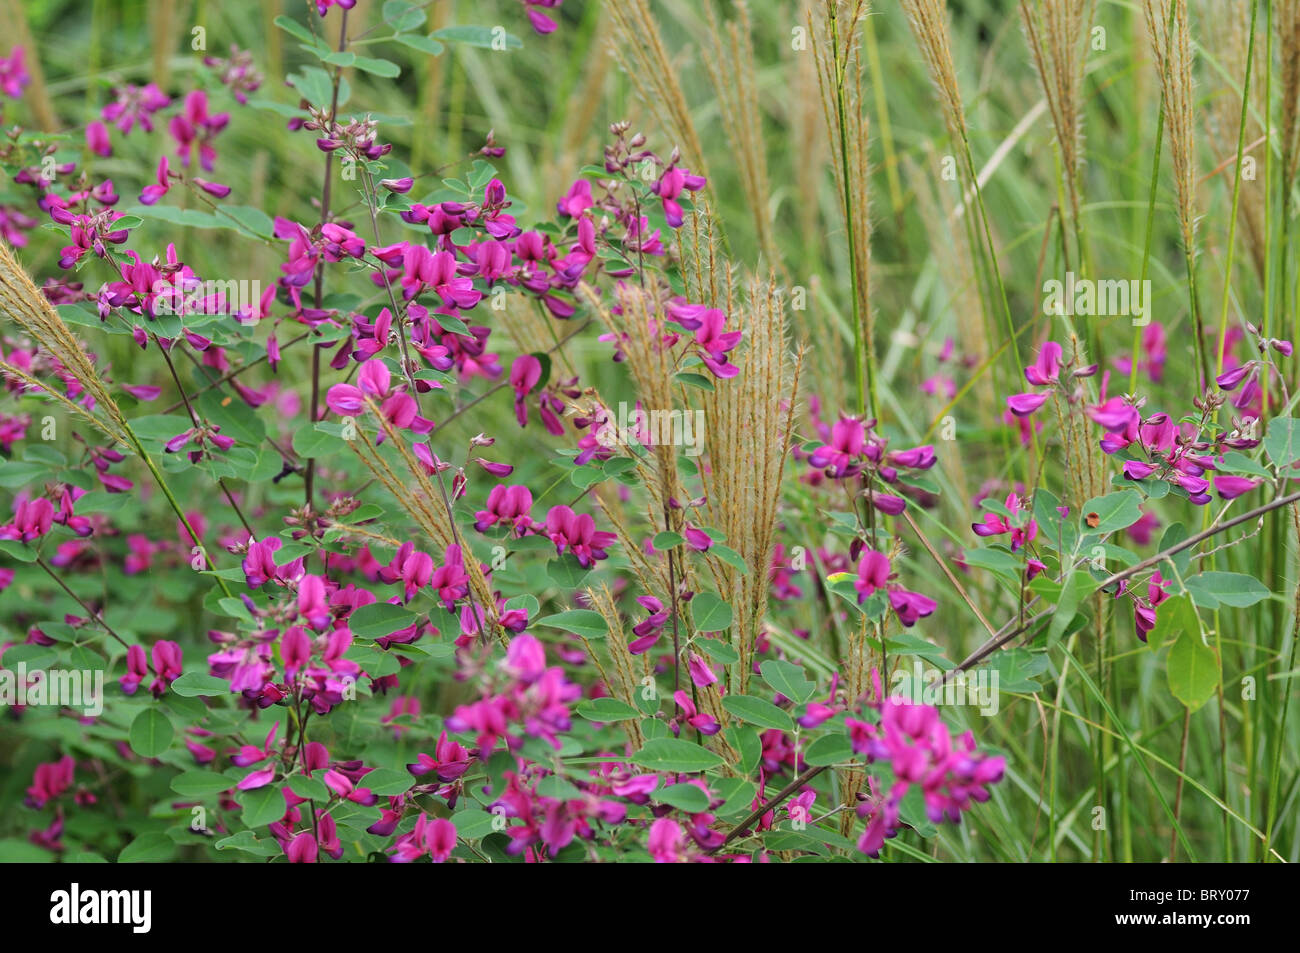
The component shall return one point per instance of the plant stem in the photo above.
(319, 288)
(94, 616)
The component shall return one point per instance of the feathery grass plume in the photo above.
(1172, 48)
(730, 65)
(1288, 38)
(1229, 46)
(749, 423)
(928, 20)
(1171, 45)
(808, 146)
(836, 34)
(425, 503)
(749, 420)
(622, 678)
(858, 660)
(706, 273)
(26, 306)
(639, 322)
(951, 248)
(23, 303)
(640, 52)
(1288, 35)
(1057, 34)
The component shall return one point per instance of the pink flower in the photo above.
(873, 574)
(1230, 487)
(1022, 531)
(152, 193)
(13, 73)
(911, 606)
(135, 104)
(576, 533)
(49, 781)
(302, 849)
(667, 842)
(1047, 369)
(1022, 405)
(669, 188)
(577, 200)
(166, 666)
(507, 506)
(97, 140)
(433, 837)
(702, 722)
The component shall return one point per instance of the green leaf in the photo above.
(994, 559)
(757, 711)
(673, 754)
(252, 220)
(730, 557)
(828, 749)
(710, 613)
(402, 15)
(1176, 616)
(386, 68)
(201, 783)
(1209, 590)
(1171, 537)
(343, 58)
(14, 474)
(667, 540)
(1017, 669)
(185, 217)
(718, 650)
(379, 619)
(387, 782)
(147, 849)
(425, 44)
(566, 572)
(151, 732)
(193, 684)
(737, 795)
(473, 824)
(481, 36)
(248, 842)
(787, 678)
(582, 622)
(690, 379)
(312, 789)
(1282, 442)
(262, 806)
(16, 550)
(1077, 585)
(684, 797)
(294, 28)
(1193, 670)
(314, 84)
(101, 501)
(1234, 462)
(607, 709)
(1054, 532)
(1114, 511)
